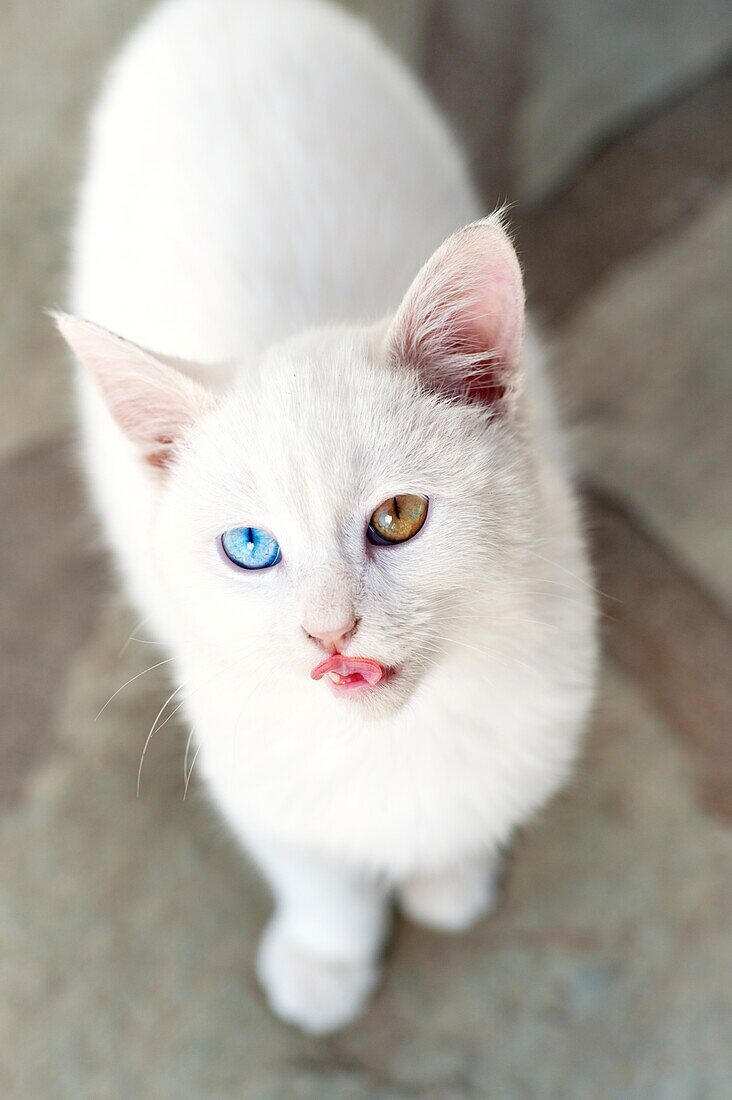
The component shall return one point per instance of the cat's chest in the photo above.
(411, 792)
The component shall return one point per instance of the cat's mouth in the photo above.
(351, 674)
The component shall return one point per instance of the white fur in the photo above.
(264, 183)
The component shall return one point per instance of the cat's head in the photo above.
(359, 491)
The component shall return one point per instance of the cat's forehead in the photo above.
(335, 411)
(322, 427)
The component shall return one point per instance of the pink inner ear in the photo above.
(461, 323)
(152, 402)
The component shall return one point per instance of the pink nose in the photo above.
(332, 641)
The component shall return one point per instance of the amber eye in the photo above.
(397, 519)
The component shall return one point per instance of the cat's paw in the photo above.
(314, 993)
(452, 900)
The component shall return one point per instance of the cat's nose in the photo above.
(333, 641)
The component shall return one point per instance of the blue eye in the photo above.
(250, 547)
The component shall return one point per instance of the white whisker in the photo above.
(190, 773)
(154, 728)
(131, 681)
(152, 731)
(576, 576)
(136, 627)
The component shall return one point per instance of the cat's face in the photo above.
(360, 492)
(306, 452)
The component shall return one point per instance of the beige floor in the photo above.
(127, 927)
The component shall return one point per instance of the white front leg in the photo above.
(318, 957)
(454, 898)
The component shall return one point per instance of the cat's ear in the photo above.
(461, 323)
(153, 401)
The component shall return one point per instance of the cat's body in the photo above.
(259, 171)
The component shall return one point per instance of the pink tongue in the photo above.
(371, 671)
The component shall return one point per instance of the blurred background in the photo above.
(127, 927)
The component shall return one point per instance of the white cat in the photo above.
(340, 455)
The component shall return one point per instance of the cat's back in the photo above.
(256, 167)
